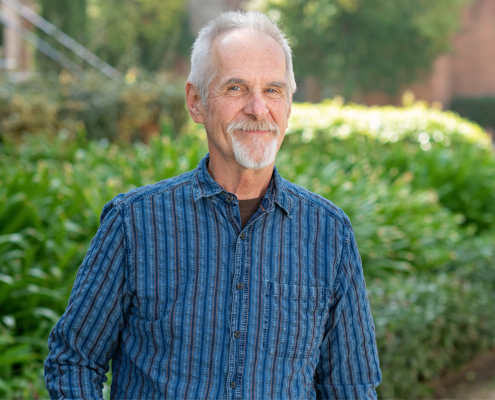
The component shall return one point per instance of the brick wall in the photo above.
(473, 61)
(468, 70)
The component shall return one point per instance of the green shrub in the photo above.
(51, 195)
(123, 111)
(478, 109)
(428, 324)
(439, 150)
(397, 227)
(52, 190)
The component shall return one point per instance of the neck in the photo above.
(244, 183)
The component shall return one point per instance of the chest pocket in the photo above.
(293, 319)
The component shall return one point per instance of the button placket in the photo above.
(234, 363)
(245, 245)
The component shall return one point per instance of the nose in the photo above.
(256, 107)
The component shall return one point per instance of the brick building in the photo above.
(468, 70)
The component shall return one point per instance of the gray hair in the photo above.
(202, 69)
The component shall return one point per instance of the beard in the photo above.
(257, 154)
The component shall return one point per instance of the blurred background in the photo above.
(393, 122)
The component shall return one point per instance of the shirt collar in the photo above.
(205, 186)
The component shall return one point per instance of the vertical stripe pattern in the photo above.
(189, 306)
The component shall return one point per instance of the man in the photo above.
(227, 281)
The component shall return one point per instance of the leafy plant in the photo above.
(428, 324)
(105, 109)
(51, 195)
(365, 45)
(428, 261)
(436, 150)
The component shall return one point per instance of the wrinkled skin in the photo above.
(250, 84)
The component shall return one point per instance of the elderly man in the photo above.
(226, 282)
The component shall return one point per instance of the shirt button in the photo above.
(237, 334)
(232, 385)
(229, 199)
(240, 286)
(243, 236)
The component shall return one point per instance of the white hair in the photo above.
(203, 70)
(258, 154)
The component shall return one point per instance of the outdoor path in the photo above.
(474, 381)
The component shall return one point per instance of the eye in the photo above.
(234, 88)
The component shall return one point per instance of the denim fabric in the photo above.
(190, 306)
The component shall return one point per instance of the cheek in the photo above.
(281, 117)
(224, 110)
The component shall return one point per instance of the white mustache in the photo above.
(247, 125)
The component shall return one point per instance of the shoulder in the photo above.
(314, 200)
(124, 200)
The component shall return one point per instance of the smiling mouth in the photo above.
(257, 132)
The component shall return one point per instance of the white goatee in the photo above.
(257, 154)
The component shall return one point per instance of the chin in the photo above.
(256, 156)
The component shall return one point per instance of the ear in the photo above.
(194, 105)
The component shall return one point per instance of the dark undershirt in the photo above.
(247, 209)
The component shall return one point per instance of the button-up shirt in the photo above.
(189, 305)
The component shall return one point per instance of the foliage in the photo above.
(365, 45)
(428, 324)
(71, 18)
(51, 195)
(439, 150)
(397, 228)
(133, 111)
(125, 33)
(430, 274)
(147, 33)
(479, 109)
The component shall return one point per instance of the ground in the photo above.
(474, 381)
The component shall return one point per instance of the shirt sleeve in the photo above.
(348, 367)
(84, 339)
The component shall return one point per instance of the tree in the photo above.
(125, 33)
(365, 45)
(68, 16)
(71, 18)
(147, 33)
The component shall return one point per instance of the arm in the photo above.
(348, 367)
(85, 337)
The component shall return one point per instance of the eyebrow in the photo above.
(235, 80)
(278, 84)
(282, 85)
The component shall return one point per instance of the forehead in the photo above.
(244, 54)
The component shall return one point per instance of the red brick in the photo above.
(468, 70)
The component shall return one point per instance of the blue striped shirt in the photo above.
(189, 305)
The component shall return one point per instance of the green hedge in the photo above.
(478, 109)
(126, 112)
(430, 273)
(438, 150)
(426, 325)
(51, 195)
